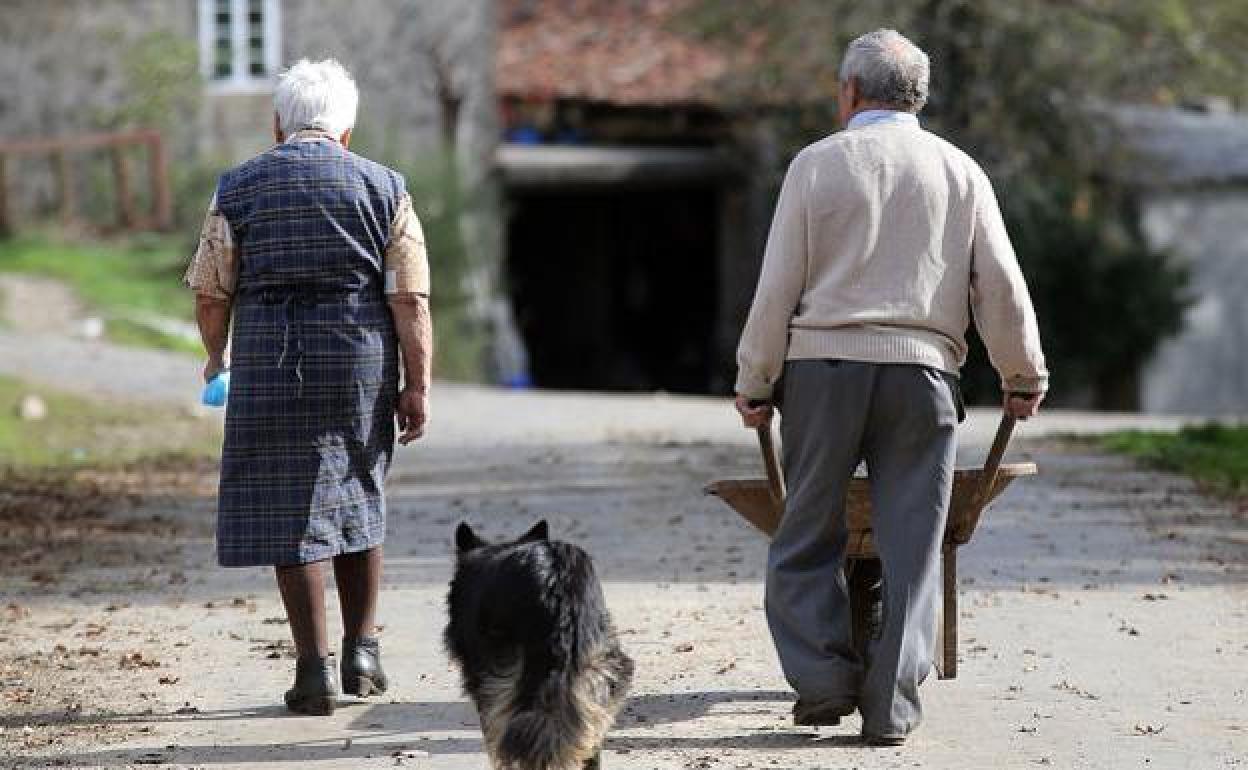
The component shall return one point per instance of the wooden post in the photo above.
(949, 613)
(158, 169)
(69, 193)
(6, 223)
(126, 217)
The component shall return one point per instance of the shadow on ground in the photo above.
(380, 730)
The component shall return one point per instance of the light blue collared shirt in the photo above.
(889, 117)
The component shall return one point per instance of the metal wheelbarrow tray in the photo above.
(761, 502)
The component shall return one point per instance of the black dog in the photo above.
(538, 653)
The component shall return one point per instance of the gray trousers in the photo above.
(901, 419)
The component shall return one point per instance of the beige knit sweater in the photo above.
(884, 238)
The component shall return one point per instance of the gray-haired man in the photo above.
(881, 234)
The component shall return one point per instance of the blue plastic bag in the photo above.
(217, 390)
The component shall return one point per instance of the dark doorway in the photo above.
(616, 289)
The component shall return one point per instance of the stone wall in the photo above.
(64, 73)
(62, 60)
(1204, 369)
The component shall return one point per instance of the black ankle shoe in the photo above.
(362, 674)
(314, 692)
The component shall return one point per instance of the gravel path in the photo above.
(1104, 617)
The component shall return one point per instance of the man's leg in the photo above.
(909, 445)
(807, 601)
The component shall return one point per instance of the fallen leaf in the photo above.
(136, 660)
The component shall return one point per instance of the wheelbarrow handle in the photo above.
(992, 464)
(775, 477)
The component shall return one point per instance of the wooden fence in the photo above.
(59, 149)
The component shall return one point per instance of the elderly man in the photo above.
(316, 257)
(884, 235)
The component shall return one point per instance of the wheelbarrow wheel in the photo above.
(866, 602)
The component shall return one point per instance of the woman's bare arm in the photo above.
(414, 325)
(213, 317)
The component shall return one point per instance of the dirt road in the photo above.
(1104, 614)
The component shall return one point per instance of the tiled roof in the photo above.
(625, 52)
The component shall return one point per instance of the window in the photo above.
(239, 44)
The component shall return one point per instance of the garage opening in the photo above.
(616, 288)
(613, 262)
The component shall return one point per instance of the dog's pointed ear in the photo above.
(539, 532)
(465, 539)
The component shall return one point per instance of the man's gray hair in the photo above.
(316, 95)
(888, 69)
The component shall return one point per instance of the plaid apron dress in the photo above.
(309, 426)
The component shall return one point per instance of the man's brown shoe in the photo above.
(821, 714)
(883, 739)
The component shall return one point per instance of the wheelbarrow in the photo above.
(761, 502)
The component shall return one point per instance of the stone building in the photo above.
(424, 67)
(1192, 183)
(425, 70)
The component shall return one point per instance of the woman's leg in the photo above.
(358, 576)
(359, 579)
(303, 592)
(302, 587)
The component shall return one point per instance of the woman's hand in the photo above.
(213, 366)
(412, 412)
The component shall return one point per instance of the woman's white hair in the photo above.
(888, 69)
(316, 95)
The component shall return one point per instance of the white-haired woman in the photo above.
(314, 257)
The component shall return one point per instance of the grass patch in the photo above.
(139, 275)
(78, 433)
(1213, 454)
(118, 279)
(126, 332)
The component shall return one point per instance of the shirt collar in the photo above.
(884, 117)
(308, 135)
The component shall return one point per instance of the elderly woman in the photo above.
(316, 256)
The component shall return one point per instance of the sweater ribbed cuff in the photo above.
(1023, 384)
(911, 346)
(751, 387)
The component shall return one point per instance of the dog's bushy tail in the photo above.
(566, 722)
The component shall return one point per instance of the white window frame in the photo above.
(240, 80)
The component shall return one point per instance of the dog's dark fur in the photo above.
(540, 658)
